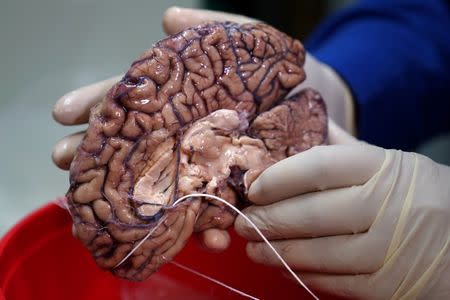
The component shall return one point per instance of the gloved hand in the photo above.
(73, 108)
(356, 220)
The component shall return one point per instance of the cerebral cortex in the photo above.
(203, 111)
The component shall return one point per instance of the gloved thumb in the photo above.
(338, 136)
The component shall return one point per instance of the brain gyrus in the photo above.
(202, 111)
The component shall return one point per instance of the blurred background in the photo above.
(50, 47)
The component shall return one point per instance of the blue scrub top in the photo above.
(395, 57)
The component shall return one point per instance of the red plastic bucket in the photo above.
(39, 259)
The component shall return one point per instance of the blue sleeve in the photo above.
(395, 56)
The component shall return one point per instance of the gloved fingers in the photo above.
(338, 136)
(64, 150)
(345, 286)
(73, 108)
(346, 254)
(319, 168)
(176, 19)
(326, 213)
(215, 240)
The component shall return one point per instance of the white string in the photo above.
(149, 234)
(242, 215)
(257, 230)
(213, 280)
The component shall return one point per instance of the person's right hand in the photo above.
(74, 107)
(355, 220)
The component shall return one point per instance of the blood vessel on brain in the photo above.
(201, 111)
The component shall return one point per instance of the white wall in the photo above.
(49, 47)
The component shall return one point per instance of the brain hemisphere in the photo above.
(201, 111)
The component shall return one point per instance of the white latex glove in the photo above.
(356, 220)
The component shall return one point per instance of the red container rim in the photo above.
(51, 225)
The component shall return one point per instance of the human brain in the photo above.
(202, 111)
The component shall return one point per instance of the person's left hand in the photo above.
(356, 220)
